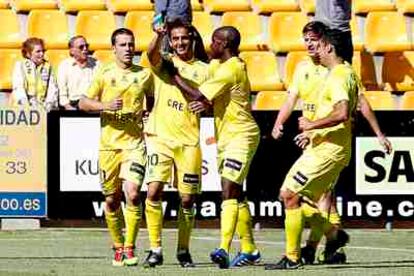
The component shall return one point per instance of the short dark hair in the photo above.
(333, 37)
(72, 40)
(178, 23)
(119, 32)
(232, 36)
(316, 27)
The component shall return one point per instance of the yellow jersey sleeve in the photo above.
(220, 82)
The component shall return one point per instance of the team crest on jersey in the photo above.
(113, 82)
(135, 80)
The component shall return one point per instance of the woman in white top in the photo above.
(34, 82)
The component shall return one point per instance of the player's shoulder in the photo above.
(107, 67)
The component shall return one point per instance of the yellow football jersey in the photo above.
(307, 83)
(229, 89)
(121, 129)
(170, 117)
(342, 83)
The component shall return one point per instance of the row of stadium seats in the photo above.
(258, 32)
(379, 100)
(258, 6)
(275, 74)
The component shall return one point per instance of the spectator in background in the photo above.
(336, 14)
(75, 73)
(34, 82)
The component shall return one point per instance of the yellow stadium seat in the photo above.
(292, 59)
(202, 21)
(9, 30)
(250, 28)
(386, 32)
(8, 58)
(79, 5)
(56, 56)
(141, 23)
(28, 5)
(143, 60)
(270, 100)
(285, 31)
(380, 100)
(262, 70)
(97, 27)
(223, 6)
(269, 6)
(363, 64)
(407, 101)
(130, 5)
(405, 6)
(366, 6)
(196, 5)
(4, 4)
(104, 56)
(50, 25)
(398, 71)
(357, 40)
(307, 6)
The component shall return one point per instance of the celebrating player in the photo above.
(237, 136)
(118, 92)
(173, 140)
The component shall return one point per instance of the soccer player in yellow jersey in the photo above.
(316, 171)
(173, 145)
(118, 91)
(308, 79)
(237, 136)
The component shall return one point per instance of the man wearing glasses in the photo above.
(75, 73)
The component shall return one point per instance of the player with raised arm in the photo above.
(237, 136)
(117, 92)
(173, 139)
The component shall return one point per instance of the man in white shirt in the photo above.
(75, 73)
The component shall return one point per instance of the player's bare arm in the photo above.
(339, 115)
(153, 52)
(283, 115)
(90, 105)
(369, 115)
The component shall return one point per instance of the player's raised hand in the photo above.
(302, 140)
(304, 123)
(198, 106)
(114, 105)
(277, 131)
(385, 143)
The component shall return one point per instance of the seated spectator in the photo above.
(34, 82)
(75, 74)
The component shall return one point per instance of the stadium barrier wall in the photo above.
(373, 188)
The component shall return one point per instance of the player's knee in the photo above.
(289, 198)
(154, 191)
(187, 201)
(231, 190)
(112, 203)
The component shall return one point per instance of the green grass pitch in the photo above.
(86, 252)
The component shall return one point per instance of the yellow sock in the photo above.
(185, 225)
(228, 221)
(153, 214)
(114, 223)
(313, 216)
(133, 216)
(244, 228)
(293, 230)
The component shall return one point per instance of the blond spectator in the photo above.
(34, 82)
(75, 74)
